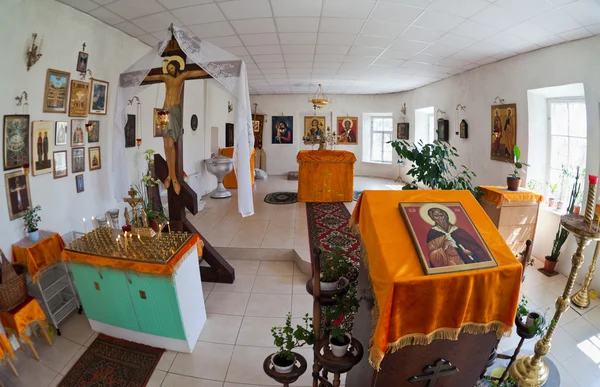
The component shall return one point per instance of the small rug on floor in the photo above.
(113, 362)
(282, 198)
(357, 195)
(328, 228)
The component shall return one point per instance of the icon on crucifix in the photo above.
(173, 76)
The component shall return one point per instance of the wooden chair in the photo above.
(525, 257)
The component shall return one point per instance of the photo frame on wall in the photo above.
(313, 125)
(95, 158)
(77, 159)
(61, 133)
(15, 140)
(129, 131)
(347, 130)
(79, 99)
(42, 146)
(17, 194)
(82, 61)
(229, 135)
(77, 136)
(79, 183)
(60, 164)
(442, 129)
(98, 96)
(402, 131)
(94, 133)
(56, 91)
(504, 132)
(282, 131)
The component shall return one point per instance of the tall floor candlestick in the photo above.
(582, 297)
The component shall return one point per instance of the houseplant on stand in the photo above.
(334, 266)
(341, 316)
(31, 219)
(561, 233)
(513, 181)
(287, 338)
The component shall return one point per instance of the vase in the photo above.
(550, 202)
(340, 350)
(34, 236)
(531, 317)
(285, 367)
(329, 286)
(577, 209)
(559, 205)
(512, 183)
(549, 266)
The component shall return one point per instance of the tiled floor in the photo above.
(237, 338)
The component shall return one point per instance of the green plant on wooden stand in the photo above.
(287, 338)
(433, 165)
(341, 320)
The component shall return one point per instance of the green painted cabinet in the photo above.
(155, 303)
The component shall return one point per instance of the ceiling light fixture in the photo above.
(319, 99)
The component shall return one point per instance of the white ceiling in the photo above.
(356, 46)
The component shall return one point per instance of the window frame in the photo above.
(372, 135)
(549, 103)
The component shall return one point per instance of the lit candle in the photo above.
(107, 223)
(169, 226)
(84, 227)
(117, 242)
(140, 239)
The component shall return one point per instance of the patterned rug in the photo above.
(328, 228)
(115, 363)
(282, 198)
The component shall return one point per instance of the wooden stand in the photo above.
(286, 379)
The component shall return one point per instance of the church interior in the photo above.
(179, 172)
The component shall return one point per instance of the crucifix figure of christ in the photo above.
(173, 76)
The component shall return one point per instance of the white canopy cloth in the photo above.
(223, 68)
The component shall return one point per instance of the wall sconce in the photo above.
(498, 101)
(138, 121)
(403, 110)
(21, 99)
(229, 107)
(34, 53)
(439, 112)
(84, 74)
(461, 128)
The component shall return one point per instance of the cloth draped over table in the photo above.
(412, 308)
(141, 267)
(496, 194)
(218, 64)
(18, 319)
(36, 256)
(325, 176)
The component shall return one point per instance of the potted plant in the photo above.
(563, 175)
(31, 219)
(433, 166)
(155, 218)
(552, 187)
(286, 339)
(334, 266)
(341, 316)
(513, 181)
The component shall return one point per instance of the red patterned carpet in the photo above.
(328, 228)
(115, 363)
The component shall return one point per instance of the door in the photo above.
(155, 302)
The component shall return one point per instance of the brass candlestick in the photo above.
(532, 370)
(582, 297)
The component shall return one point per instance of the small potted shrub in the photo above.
(31, 219)
(553, 187)
(287, 338)
(341, 315)
(513, 181)
(334, 266)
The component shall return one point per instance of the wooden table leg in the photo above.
(33, 331)
(12, 367)
(20, 343)
(44, 330)
(35, 354)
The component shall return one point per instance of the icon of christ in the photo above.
(174, 74)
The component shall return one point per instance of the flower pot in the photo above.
(549, 266)
(329, 286)
(154, 225)
(531, 317)
(34, 236)
(559, 205)
(282, 365)
(577, 209)
(512, 183)
(551, 202)
(339, 348)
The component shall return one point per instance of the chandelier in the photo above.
(319, 99)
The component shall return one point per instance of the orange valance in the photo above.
(230, 180)
(36, 256)
(142, 267)
(414, 309)
(325, 176)
(496, 194)
(328, 156)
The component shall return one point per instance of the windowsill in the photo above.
(553, 210)
(377, 162)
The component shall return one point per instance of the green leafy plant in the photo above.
(341, 315)
(562, 234)
(147, 182)
(508, 382)
(522, 308)
(334, 265)
(533, 185)
(287, 338)
(517, 164)
(553, 187)
(32, 218)
(433, 165)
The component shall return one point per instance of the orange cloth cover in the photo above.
(325, 176)
(39, 255)
(20, 317)
(496, 194)
(142, 267)
(230, 181)
(5, 347)
(414, 309)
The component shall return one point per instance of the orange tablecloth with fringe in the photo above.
(19, 318)
(412, 308)
(496, 194)
(36, 256)
(230, 180)
(325, 176)
(141, 267)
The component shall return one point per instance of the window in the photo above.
(381, 132)
(568, 143)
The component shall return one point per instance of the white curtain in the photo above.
(226, 69)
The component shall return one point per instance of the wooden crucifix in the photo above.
(433, 372)
(170, 171)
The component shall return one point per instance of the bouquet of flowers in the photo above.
(32, 218)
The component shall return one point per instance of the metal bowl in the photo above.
(219, 166)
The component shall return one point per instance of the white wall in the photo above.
(510, 79)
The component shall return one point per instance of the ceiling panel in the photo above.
(356, 46)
